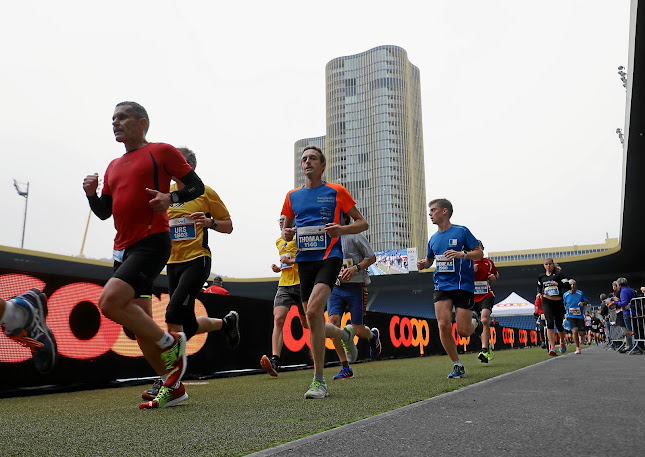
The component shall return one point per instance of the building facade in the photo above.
(319, 141)
(374, 143)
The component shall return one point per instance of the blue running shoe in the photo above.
(344, 373)
(457, 372)
(375, 344)
(563, 348)
(36, 335)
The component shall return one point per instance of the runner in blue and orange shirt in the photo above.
(313, 216)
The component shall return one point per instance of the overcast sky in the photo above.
(521, 101)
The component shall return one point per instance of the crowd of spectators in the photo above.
(617, 321)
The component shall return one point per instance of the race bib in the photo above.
(284, 266)
(311, 238)
(182, 229)
(118, 255)
(551, 290)
(575, 311)
(481, 287)
(444, 265)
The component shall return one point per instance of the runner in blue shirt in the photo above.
(453, 248)
(574, 302)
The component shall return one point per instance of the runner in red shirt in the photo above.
(136, 192)
(485, 272)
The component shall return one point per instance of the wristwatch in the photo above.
(465, 255)
(214, 224)
(358, 267)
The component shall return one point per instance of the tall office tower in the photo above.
(374, 144)
(299, 178)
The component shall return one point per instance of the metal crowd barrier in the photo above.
(637, 311)
(616, 329)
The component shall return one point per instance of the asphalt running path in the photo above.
(588, 404)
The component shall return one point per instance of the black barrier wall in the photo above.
(93, 350)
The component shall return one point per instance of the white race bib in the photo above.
(285, 266)
(118, 255)
(182, 229)
(444, 265)
(551, 290)
(481, 287)
(311, 238)
(575, 311)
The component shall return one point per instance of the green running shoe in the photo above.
(350, 346)
(175, 359)
(166, 397)
(317, 389)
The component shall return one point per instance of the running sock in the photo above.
(166, 341)
(14, 316)
(319, 377)
(458, 363)
(371, 337)
(345, 364)
(276, 358)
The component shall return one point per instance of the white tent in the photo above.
(513, 305)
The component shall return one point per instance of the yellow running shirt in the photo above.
(289, 274)
(190, 241)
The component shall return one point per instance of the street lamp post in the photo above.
(23, 192)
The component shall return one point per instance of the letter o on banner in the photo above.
(393, 323)
(406, 324)
(62, 302)
(289, 341)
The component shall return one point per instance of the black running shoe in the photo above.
(153, 391)
(231, 327)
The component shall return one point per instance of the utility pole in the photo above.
(23, 192)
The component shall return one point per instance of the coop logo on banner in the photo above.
(62, 304)
(409, 332)
(295, 344)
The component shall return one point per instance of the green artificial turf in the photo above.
(231, 416)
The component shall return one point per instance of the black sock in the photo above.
(275, 358)
(345, 364)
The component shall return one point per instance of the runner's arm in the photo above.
(101, 206)
(193, 188)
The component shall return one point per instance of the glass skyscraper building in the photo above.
(374, 144)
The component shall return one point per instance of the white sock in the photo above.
(166, 341)
(458, 363)
(14, 316)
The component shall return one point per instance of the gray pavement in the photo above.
(587, 404)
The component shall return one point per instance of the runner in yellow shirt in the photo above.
(288, 294)
(188, 268)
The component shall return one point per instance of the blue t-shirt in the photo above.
(457, 273)
(571, 301)
(566, 324)
(312, 209)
